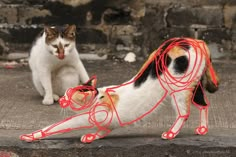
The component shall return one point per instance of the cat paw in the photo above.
(169, 135)
(48, 101)
(88, 138)
(201, 130)
(41, 93)
(55, 97)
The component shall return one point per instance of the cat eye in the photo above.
(66, 45)
(55, 46)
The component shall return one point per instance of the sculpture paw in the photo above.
(88, 138)
(32, 137)
(201, 130)
(168, 135)
(27, 137)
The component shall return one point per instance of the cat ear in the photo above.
(51, 34)
(49, 30)
(70, 32)
(92, 82)
(72, 28)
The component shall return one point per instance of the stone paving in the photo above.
(21, 112)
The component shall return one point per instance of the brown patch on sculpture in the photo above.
(176, 52)
(77, 97)
(82, 98)
(115, 99)
(109, 101)
(188, 101)
(149, 60)
(211, 79)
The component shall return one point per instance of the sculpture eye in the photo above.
(66, 45)
(101, 97)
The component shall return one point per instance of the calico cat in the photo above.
(55, 63)
(175, 74)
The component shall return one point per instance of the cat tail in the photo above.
(211, 80)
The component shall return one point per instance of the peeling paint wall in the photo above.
(116, 27)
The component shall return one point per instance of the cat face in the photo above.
(60, 41)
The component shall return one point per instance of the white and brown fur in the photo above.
(140, 97)
(55, 62)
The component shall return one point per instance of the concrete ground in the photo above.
(21, 112)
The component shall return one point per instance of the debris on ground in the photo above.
(130, 57)
(13, 64)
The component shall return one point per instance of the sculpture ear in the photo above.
(92, 82)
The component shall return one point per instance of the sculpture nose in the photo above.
(63, 102)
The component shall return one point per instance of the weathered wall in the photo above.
(115, 27)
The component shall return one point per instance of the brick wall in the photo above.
(116, 27)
